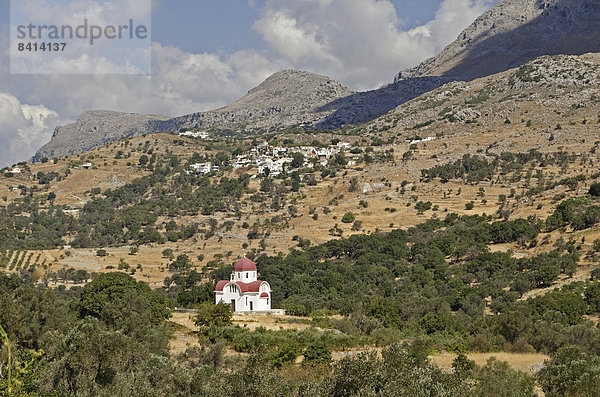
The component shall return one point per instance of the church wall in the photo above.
(264, 304)
(249, 299)
(228, 296)
(245, 277)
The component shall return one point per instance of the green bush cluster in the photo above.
(479, 168)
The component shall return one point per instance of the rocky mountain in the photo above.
(287, 99)
(508, 35)
(515, 110)
(93, 129)
(512, 33)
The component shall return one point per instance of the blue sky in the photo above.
(209, 53)
(226, 25)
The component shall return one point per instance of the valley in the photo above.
(437, 236)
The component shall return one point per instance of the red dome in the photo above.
(244, 265)
(264, 295)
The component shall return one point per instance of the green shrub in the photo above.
(317, 353)
(348, 217)
(211, 315)
(571, 371)
(595, 190)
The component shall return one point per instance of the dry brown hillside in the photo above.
(551, 105)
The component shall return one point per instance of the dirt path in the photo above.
(185, 335)
(526, 362)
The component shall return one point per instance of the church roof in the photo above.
(250, 287)
(221, 284)
(244, 287)
(244, 265)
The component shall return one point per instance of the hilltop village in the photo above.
(274, 160)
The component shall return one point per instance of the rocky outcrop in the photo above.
(94, 129)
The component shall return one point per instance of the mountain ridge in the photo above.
(512, 33)
(288, 99)
(508, 35)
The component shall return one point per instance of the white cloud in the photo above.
(193, 82)
(24, 128)
(358, 42)
(453, 17)
(181, 83)
(79, 56)
(294, 40)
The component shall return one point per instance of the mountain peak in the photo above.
(286, 99)
(512, 33)
(289, 76)
(292, 88)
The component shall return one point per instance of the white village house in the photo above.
(243, 291)
(275, 167)
(198, 134)
(204, 168)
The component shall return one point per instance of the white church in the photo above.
(244, 292)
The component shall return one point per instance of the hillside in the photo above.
(464, 220)
(438, 236)
(550, 106)
(94, 129)
(508, 35)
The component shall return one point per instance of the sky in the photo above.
(207, 53)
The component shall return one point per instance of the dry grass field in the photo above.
(389, 206)
(526, 362)
(184, 336)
